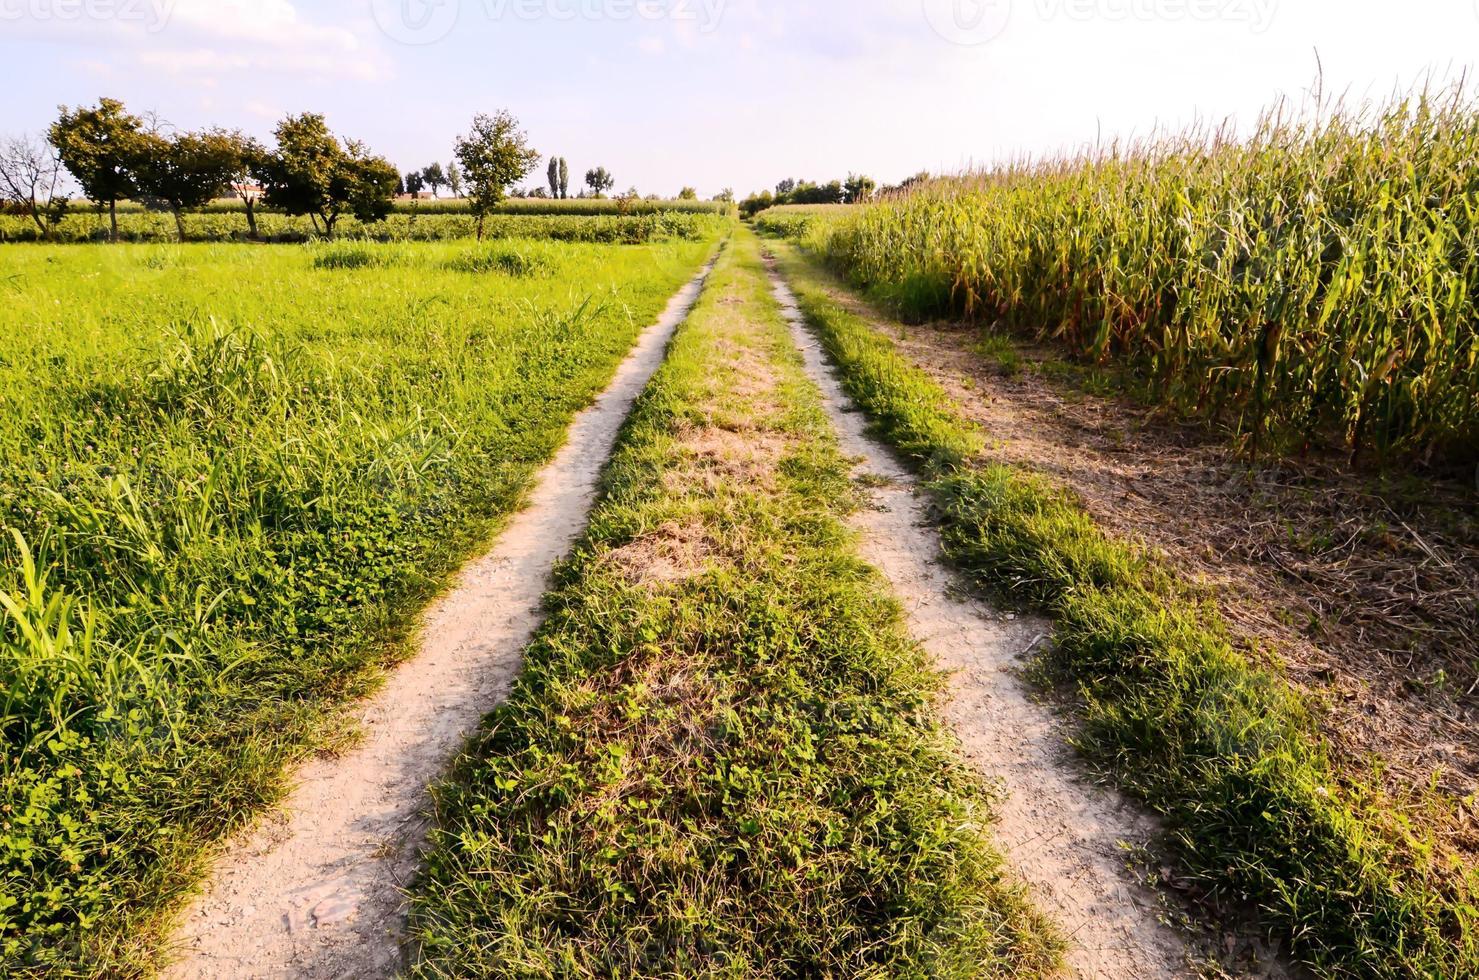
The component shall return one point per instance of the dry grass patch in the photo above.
(673, 553)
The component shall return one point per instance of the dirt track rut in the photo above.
(1065, 838)
(314, 889)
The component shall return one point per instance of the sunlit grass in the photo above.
(735, 770)
(228, 477)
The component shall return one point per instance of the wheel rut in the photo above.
(314, 889)
(1065, 838)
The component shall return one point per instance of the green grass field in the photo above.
(228, 477)
(430, 224)
(584, 206)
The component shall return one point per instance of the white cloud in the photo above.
(272, 24)
(191, 61)
(263, 110)
(205, 39)
(93, 66)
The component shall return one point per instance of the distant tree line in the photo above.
(434, 177)
(114, 155)
(598, 182)
(856, 189)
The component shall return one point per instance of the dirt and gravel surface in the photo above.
(315, 889)
(1066, 838)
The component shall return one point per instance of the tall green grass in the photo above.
(228, 477)
(1317, 282)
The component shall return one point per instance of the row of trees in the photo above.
(856, 189)
(433, 177)
(598, 180)
(113, 155)
(559, 178)
(686, 194)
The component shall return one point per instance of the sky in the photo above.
(722, 93)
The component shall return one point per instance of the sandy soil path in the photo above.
(314, 890)
(1064, 837)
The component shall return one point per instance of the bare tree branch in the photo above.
(30, 178)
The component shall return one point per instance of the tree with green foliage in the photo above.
(435, 178)
(564, 178)
(31, 180)
(100, 148)
(688, 194)
(554, 176)
(248, 164)
(454, 179)
(859, 188)
(785, 188)
(909, 183)
(756, 203)
(313, 173)
(415, 182)
(187, 170)
(370, 182)
(806, 192)
(599, 181)
(494, 155)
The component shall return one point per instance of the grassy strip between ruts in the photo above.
(1223, 749)
(722, 758)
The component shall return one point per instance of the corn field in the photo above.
(1314, 284)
